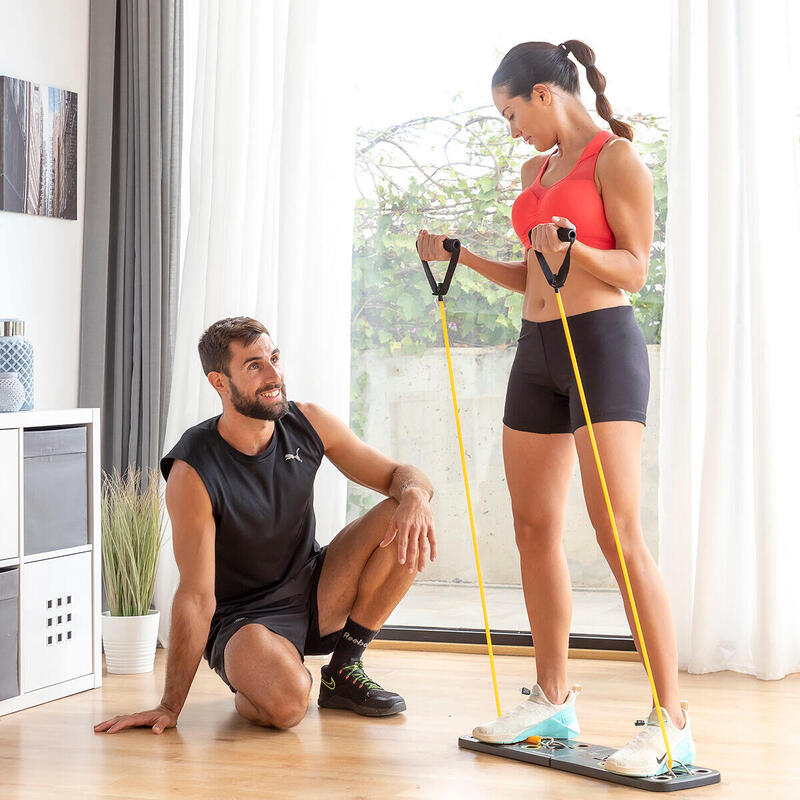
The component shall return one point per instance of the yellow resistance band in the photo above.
(469, 506)
(614, 529)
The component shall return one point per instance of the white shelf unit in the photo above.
(59, 600)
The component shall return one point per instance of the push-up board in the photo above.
(582, 758)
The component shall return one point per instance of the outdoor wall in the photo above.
(47, 41)
(410, 416)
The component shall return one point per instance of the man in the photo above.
(256, 591)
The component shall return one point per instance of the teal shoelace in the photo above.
(355, 673)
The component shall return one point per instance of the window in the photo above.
(432, 152)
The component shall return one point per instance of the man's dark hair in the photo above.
(215, 354)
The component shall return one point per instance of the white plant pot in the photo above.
(130, 642)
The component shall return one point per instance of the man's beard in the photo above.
(253, 407)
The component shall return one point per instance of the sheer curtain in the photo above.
(730, 535)
(270, 211)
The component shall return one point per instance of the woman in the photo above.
(596, 183)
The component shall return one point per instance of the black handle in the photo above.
(560, 278)
(452, 246)
(566, 234)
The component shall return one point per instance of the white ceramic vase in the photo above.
(130, 642)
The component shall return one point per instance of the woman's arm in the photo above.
(510, 275)
(627, 192)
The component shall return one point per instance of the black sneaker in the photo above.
(351, 688)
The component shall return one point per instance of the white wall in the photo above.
(47, 41)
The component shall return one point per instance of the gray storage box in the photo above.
(9, 633)
(56, 495)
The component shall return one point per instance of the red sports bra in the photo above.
(574, 197)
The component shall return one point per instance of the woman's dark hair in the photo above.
(530, 63)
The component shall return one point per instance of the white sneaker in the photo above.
(537, 716)
(645, 754)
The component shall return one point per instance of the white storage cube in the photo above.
(56, 600)
(9, 493)
(50, 557)
(55, 497)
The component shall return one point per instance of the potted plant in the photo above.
(132, 523)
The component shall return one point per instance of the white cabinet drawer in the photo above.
(9, 493)
(56, 601)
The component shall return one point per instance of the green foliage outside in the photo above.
(457, 174)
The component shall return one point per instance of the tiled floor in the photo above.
(458, 605)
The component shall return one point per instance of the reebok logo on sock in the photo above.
(353, 639)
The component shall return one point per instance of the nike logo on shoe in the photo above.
(329, 684)
(661, 760)
(295, 456)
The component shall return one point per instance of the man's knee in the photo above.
(385, 509)
(267, 673)
(289, 712)
(283, 716)
(376, 521)
(284, 707)
(292, 705)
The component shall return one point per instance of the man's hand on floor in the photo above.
(159, 719)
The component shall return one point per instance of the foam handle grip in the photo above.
(566, 234)
(452, 244)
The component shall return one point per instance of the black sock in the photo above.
(352, 643)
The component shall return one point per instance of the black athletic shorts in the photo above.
(294, 616)
(542, 395)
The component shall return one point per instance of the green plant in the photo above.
(132, 526)
(459, 173)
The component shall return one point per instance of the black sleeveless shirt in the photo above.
(263, 507)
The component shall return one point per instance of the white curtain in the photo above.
(730, 531)
(270, 211)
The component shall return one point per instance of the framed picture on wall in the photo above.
(38, 149)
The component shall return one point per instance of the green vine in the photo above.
(459, 174)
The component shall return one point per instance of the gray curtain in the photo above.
(132, 223)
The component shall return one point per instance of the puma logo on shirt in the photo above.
(295, 456)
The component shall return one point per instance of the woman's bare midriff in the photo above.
(582, 292)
